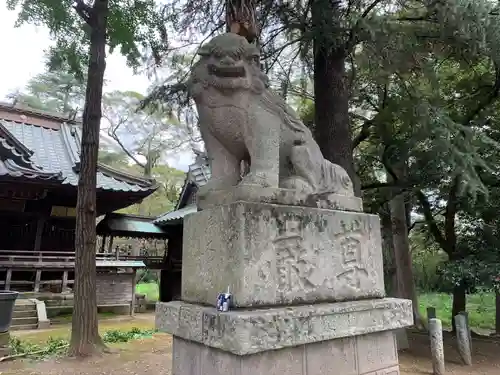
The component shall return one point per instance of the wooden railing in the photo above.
(38, 261)
(65, 259)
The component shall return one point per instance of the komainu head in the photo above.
(227, 63)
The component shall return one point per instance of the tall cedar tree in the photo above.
(82, 30)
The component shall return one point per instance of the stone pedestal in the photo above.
(307, 287)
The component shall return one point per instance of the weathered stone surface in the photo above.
(339, 357)
(252, 331)
(341, 354)
(437, 349)
(242, 120)
(287, 197)
(278, 255)
(463, 339)
(376, 351)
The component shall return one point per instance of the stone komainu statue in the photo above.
(241, 119)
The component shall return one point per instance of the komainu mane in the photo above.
(241, 119)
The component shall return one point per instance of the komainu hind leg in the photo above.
(335, 179)
(303, 170)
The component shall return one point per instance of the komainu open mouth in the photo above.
(226, 71)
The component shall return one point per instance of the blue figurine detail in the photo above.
(224, 301)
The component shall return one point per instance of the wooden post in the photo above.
(134, 283)
(64, 281)
(37, 280)
(39, 231)
(103, 244)
(8, 278)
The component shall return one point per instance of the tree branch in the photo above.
(450, 213)
(112, 133)
(83, 10)
(430, 221)
(494, 94)
(363, 134)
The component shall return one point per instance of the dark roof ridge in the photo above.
(72, 131)
(9, 107)
(10, 141)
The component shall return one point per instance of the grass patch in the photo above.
(151, 291)
(481, 308)
(66, 318)
(58, 346)
(64, 332)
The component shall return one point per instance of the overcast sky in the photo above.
(23, 58)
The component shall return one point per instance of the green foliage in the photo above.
(151, 291)
(114, 336)
(147, 276)
(57, 92)
(58, 346)
(50, 348)
(480, 306)
(134, 28)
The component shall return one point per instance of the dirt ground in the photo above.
(152, 356)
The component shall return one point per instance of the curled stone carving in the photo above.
(243, 121)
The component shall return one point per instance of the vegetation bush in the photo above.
(427, 272)
(147, 276)
(58, 346)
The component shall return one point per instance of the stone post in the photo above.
(307, 285)
(463, 339)
(437, 350)
(431, 313)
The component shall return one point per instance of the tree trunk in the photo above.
(388, 251)
(331, 91)
(497, 313)
(85, 339)
(241, 20)
(459, 302)
(402, 256)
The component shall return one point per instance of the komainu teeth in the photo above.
(229, 71)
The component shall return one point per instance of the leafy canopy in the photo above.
(135, 27)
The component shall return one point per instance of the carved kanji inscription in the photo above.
(293, 267)
(353, 267)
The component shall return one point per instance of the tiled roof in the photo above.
(129, 225)
(199, 171)
(15, 160)
(56, 152)
(175, 215)
(198, 175)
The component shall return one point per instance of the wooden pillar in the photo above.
(38, 277)
(110, 245)
(134, 284)
(103, 244)
(39, 231)
(8, 278)
(64, 281)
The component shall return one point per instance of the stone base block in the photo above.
(271, 255)
(245, 332)
(371, 354)
(285, 197)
